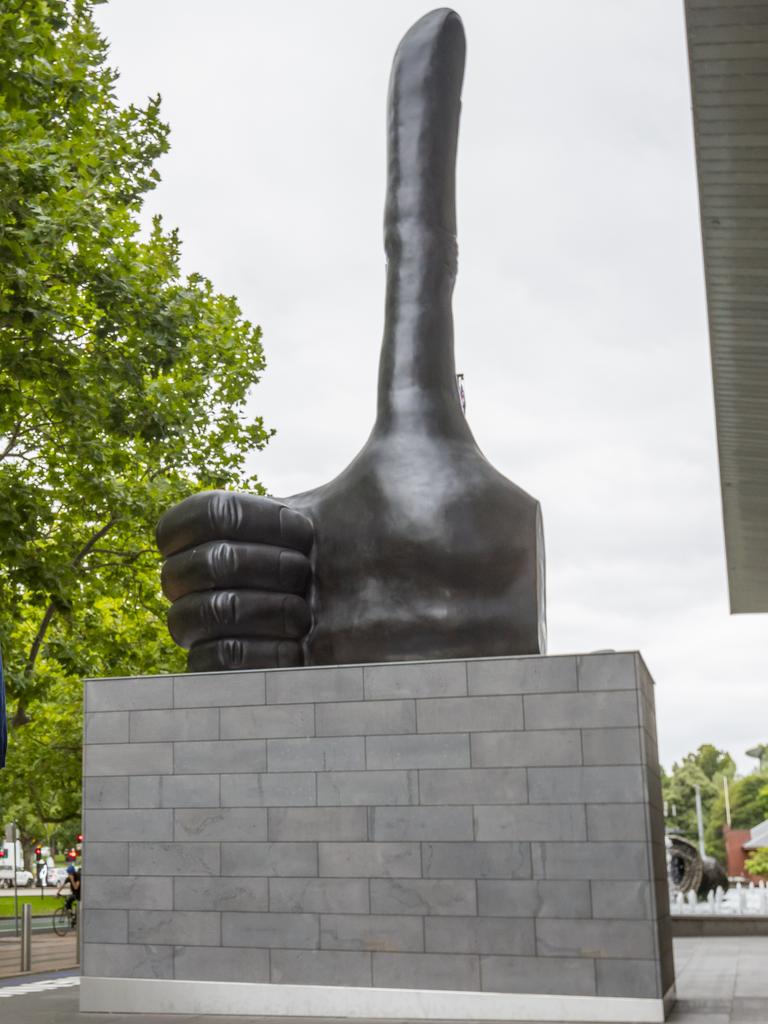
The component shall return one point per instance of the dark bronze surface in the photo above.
(689, 871)
(420, 548)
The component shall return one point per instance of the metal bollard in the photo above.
(26, 937)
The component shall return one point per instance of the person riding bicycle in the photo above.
(73, 880)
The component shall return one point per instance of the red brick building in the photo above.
(740, 843)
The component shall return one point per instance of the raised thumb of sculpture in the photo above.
(420, 548)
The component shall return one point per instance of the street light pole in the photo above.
(15, 883)
(700, 819)
(727, 801)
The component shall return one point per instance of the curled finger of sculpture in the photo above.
(239, 653)
(234, 564)
(199, 617)
(225, 515)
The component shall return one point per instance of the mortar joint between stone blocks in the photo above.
(594, 969)
(484, 970)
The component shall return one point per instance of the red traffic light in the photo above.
(3, 853)
(71, 854)
(80, 838)
(38, 851)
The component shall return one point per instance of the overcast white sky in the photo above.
(580, 307)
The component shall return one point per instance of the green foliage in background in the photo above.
(122, 389)
(749, 806)
(708, 767)
(757, 863)
(705, 768)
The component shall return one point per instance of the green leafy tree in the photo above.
(108, 634)
(123, 387)
(706, 768)
(41, 786)
(748, 799)
(757, 863)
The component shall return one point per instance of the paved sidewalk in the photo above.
(50, 952)
(720, 981)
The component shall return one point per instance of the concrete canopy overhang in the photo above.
(728, 55)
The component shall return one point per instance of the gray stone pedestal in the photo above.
(460, 839)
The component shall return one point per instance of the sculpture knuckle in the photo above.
(220, 610)
(232, 652)
(225, 511)
(223, 561)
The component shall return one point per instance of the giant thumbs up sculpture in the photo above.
(420, 548)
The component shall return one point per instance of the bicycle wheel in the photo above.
(61, 921)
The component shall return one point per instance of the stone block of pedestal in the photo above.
(474, 839)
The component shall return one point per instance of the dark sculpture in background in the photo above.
(691, 871)
(420, 548)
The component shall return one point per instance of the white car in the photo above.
(24, 879)
(56, 876)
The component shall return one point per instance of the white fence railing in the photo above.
(744, 900)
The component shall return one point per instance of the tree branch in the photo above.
(49, 819)
(12, 441)
(124, 553)
(20, 717)
(115, 558)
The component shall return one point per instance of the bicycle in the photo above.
(65, 919)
